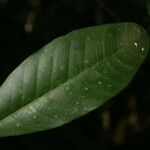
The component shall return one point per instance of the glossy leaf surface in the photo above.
(71, 76)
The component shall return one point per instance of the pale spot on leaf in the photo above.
(135, 44)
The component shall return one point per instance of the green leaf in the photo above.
(70, 77)
(148, 6)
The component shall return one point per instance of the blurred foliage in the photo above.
(27, 25)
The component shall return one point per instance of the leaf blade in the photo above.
(85, 69)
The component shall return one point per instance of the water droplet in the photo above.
(18, 125)
(99, 82)
(135, 44)
(42, 69)
(55, 116)
(62, 67)
(86, 88)
(142, 49)
(85, 108)
(34, 117)
(33, 109)
(67, 88)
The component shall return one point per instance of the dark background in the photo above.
(27, 25)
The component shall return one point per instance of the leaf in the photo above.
(70, 77)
